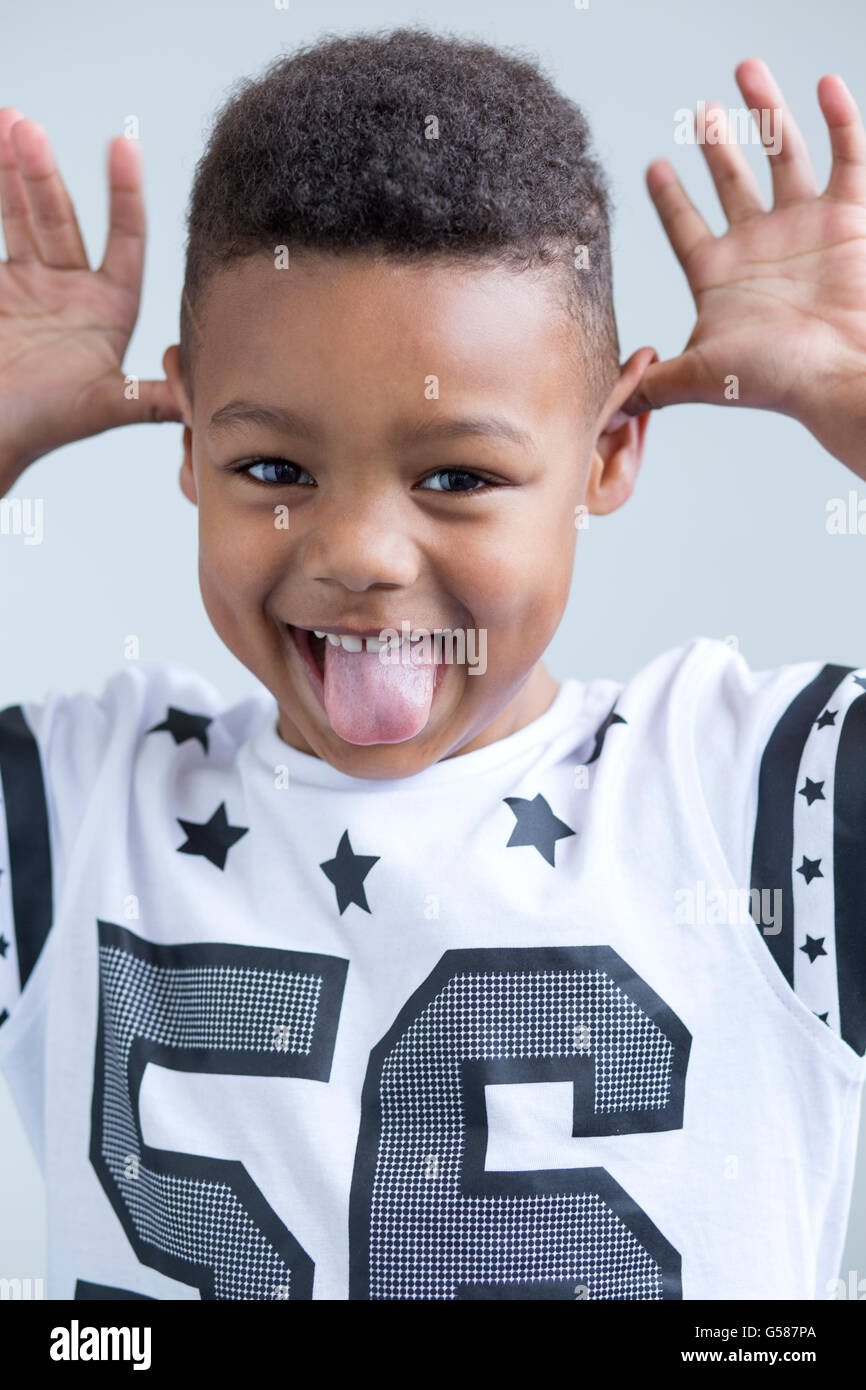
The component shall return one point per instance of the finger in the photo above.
(17, 220)
(675, 382)
(790, 165)
(55, 226)
(684, 225)
(154, 404)
(639, 362)
(123, 261)
(735, 183)
(157, 402)
(847, 179)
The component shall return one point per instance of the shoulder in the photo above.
(745, 740)
(71, 756)
(706, 675)
(142, 699)
(703, 698)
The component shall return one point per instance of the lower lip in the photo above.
(301, 639)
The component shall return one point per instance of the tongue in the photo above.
(373, 701)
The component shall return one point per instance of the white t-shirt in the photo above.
(503, 1029)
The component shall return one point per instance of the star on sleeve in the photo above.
(182, 726)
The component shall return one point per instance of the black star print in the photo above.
(823, 1017)
(600, 733)
(810, 868)
(213, 838)
(828, 717)
(814, 948)
(536, 825)
(3, 1017)
(812, 791)
(4, 945)
(347, 872)
(182, 726)
(860, 680)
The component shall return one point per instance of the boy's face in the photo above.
(394, 382)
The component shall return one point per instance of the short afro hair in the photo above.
(330, 149)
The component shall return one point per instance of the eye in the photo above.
(460, 475)
(285, 471)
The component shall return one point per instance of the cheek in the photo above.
(520, 579)
(240, 560)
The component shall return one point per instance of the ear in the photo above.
(619, 446)
(174, 376)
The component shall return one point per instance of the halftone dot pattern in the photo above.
(428, 1236)
(214, 1008)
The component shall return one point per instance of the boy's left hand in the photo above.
(781, 295)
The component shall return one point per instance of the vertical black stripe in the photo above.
(849, 874)
(773, 847)
(27, 830)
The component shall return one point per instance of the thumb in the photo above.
(157, 402)
(152, 403)
(674, 382)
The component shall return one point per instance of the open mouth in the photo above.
(367, 695)
(316, 647)
(312, 651)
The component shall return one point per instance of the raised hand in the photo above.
(781, 295)
(64, 327)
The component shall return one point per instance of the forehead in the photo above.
(374, 326)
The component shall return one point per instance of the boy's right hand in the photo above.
(64, 328)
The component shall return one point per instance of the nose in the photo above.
(359, 546)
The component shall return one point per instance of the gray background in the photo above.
(726, 531)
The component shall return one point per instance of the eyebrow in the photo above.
(241, 412)
(488, 426)
(244, 412)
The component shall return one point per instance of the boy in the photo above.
(423, 977)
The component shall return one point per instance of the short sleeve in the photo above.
(781, 762)
(57, 760)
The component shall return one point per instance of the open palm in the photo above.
(64, 328)
(781, 295)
